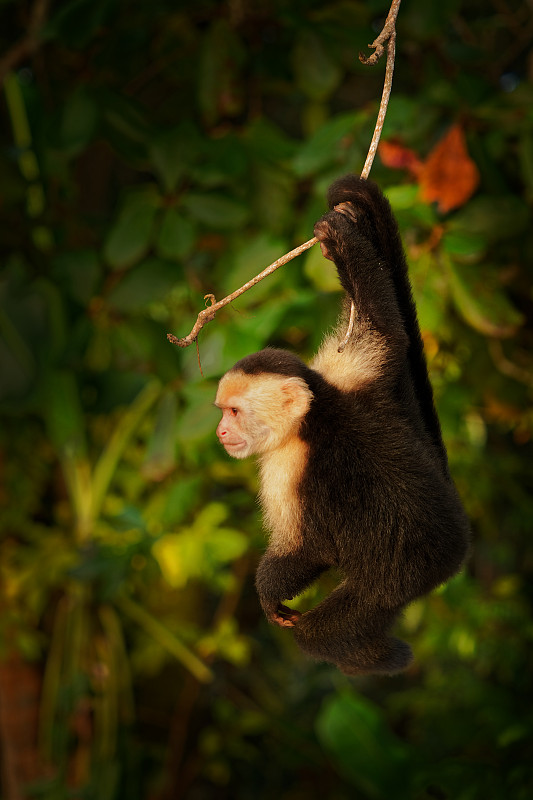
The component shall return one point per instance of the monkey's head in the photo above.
(260, 411)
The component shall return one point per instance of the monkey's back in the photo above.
(375, 496)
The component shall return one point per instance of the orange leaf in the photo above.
(449, 176)
(395, 155)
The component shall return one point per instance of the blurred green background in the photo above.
(152, 152)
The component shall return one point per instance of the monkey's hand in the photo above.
(330, 232)
(281, 615)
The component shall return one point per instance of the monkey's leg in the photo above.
(353, 636)
(282, 578)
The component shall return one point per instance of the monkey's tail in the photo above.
(385, 237)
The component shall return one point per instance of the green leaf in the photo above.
(161, 452)
(220, 90)
(261, 324)
(78, 123)
(176, 236)
(125, 116)
(482, 302)
(76, 22)
(151, 280)
(201, 550)
(402, 197)
(355, 732)
(198, 421)
(317, 74)
(130, 237)
(429, 287)
(327, 145)
(495, 218)
(254, 256)
(267, 142)
(216, 211)
(79, 272)
(224, 162)
(200, 418)
(63, 413)
(180, 500)
(172, 154)
(274, 197)
(463, 245)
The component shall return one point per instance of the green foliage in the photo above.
(359, 738)
(155, 153)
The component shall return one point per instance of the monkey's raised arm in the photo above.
(360, 235)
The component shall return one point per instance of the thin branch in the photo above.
(209, 313)
(388, 34)
(389, 30)
(387, 87)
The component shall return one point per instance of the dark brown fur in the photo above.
(376, 496)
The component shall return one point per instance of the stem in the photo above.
(387, 87)
(166, 639)
(107, 463)
(209, 313)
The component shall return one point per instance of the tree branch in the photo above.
(209, 313)
(388, 34)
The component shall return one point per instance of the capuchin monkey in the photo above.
(354, 472)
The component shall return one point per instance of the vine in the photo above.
(387, 38)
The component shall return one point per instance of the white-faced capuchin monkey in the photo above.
(354, 472)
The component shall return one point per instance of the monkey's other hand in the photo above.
(282, 615)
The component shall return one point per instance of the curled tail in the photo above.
(376, 223)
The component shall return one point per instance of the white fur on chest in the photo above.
(281, 472)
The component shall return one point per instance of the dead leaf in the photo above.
(448, 177)
(396, 156)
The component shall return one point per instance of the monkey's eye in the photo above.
(234, 411)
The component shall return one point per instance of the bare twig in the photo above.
(388, 34)
(389, 29)
(209, 313)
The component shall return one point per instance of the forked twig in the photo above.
(209, 313)
(388, 34)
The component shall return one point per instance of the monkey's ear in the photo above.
(297, 396)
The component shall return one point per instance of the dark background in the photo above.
(153, 152)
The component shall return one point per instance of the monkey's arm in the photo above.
(361, 236)
(366, 277)
(282, 578)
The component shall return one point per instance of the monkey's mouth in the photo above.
(232, 444)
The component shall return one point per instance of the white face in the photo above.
(259, 412)
(234, 434)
